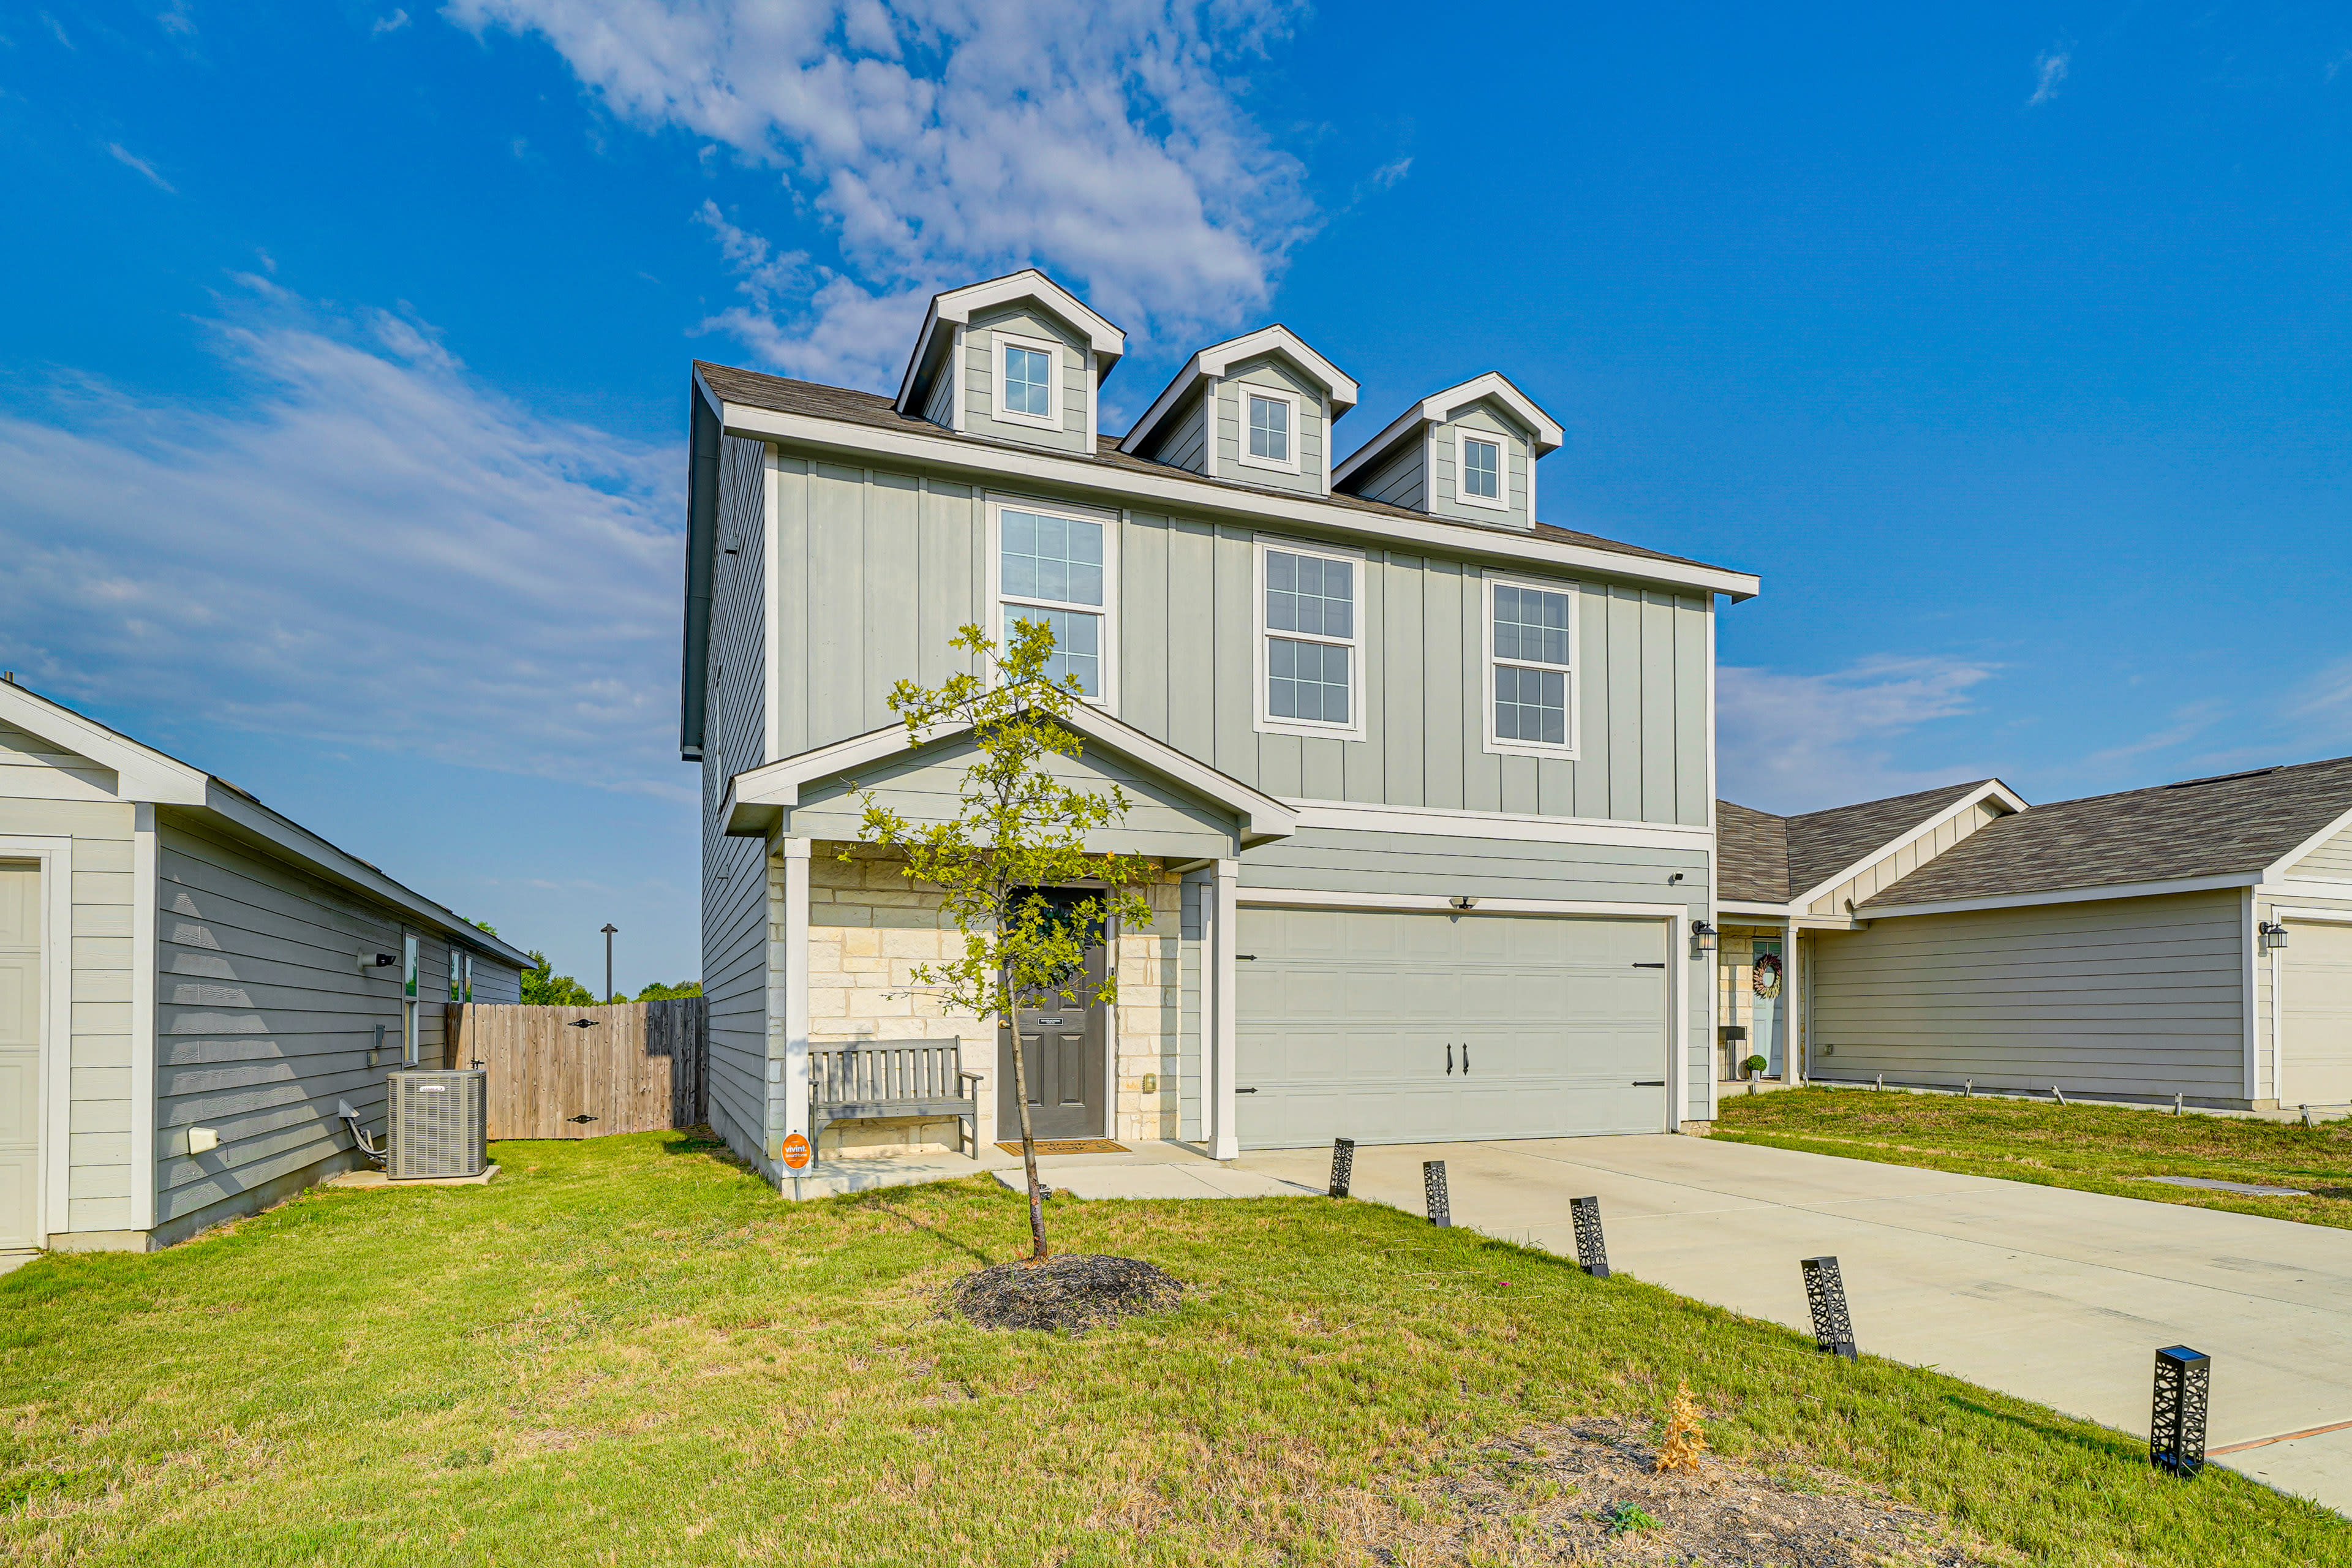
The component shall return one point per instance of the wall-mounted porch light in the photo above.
(2273, 935)
(1702, 937)
(1464, 903)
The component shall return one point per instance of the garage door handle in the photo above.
(1466, 1059)
(1449, 1058)
(1649, 1083)
(1244, 1092)
(1649, 966)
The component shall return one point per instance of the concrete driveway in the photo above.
(2055, 1296)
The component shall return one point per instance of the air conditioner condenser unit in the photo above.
(438, 1123)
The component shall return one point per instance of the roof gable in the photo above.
(2240, 825)
(1494, 387)
(1340, 391)
(1764, 858)
(955, 308)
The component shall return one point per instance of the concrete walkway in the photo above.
(2055, 1296)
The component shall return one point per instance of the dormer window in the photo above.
(1482, 469)
(1025, 381)
(1273, 418)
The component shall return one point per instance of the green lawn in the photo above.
(2095, 1148)
(629, 1352)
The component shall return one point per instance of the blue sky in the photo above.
(342, 377)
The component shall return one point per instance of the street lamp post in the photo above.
(609, 928)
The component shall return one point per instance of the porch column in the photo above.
(1793, 1033)
(1224, 931)
(788, 993)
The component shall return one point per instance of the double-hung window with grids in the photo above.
(1531, 667)
(1052, 568)
(1311, 642)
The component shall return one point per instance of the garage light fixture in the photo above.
(2273, 935)
(1702, 937)
(1466, 904)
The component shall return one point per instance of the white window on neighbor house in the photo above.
(1479, 467)
(1272, 437)
(456, 974)
(1025, 381)
(1054, 566)
(1310, 641)
(1531, 667)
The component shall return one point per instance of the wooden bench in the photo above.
(894, 1078)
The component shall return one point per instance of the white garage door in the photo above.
(1389, 1027)
(2318, 1015)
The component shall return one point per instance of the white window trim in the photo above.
(1515, 748)
(1463, 435)
(1107, 698)
(998, 339)
(54, 1116)
(1262, 719)
(1247, 390)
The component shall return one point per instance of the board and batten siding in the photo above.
(1333, 860)
(1907, 858)
(735, 875)
(875, 570)
(1073, 371)
(2110, 996)
(1232, 428)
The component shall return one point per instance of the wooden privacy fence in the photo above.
(584, 1072)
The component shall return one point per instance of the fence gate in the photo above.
(583, 1072)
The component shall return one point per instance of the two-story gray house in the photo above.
(1429, 782)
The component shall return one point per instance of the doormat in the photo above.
(1070, 1146)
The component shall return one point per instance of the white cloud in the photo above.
(943, 141)
(1388, 174)
(2049, 70)
(374, 552)
(131, 160)
(1800, 742)
(392, 24)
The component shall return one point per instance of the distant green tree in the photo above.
(657, 992)
(543, 987)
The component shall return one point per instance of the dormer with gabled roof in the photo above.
(1018, 358)
(1257, 409)
(1467, 453)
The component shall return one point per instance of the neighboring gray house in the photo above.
(2193, 939)
(1429, 782)
(177, 959)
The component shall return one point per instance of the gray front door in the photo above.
(1390, 1027)
(21, 1008)
(1062, 1051)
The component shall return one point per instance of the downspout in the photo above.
(701, 547)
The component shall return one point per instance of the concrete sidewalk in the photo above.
(2056, 1296)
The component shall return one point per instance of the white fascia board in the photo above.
(2338, 916)
(1745, 907)
(2063, 896)
(1992, 789)
(1785, 915)
(142, 772)
(2279, 867)
(1495, 384)
(1351, 816)
(257, 821)
(776, 785)
(2303, 887)
(1188, 493)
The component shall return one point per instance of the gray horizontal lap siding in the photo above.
(1333, 860)
(1186, 446)
(878, 569)
(2139, 996)
(1071, 362)
(2331, 861)
(1402, 480)
(264, 1020)
(1446, 500)
(1232, 428)
(735, 879)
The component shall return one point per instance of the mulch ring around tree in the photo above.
(1588, 1494)
(1063, 1295)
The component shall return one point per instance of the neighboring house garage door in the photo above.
(1350, 1019)
(2318, 982)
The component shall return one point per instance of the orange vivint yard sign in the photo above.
(794, 1152)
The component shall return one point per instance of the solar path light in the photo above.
(1825, 1294)
(1433, 1189)
(1343, 1165)
(2175, 1424)
(1591, 1253)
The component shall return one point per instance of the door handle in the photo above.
(1466, 1059)
(1449, 1059)
(1244, 1092)
(1649, 1083)
(1649, 966)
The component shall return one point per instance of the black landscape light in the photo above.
(1591, 1252)
(1343, 1165)
(1432, 1188)
(1825, 1294)
(1702, 937)
(2176, 1423)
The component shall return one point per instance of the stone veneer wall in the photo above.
(869, 925)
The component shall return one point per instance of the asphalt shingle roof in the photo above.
(2231, 824)
(1771, 859)
(758, 390)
